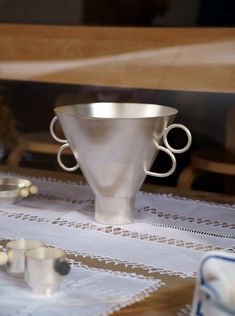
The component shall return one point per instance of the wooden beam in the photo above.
(189, 59)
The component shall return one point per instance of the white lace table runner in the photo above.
(85, 291)
(169, 235)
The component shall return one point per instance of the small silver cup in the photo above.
(14, 256)
(45, 268)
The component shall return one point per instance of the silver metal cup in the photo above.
(115, 145)
(44, 270)
(14, 256)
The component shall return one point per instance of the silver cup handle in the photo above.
(168, 173)
(60, 161)
(170, 150)
(180, 150)
(60, 140)
(66, 145)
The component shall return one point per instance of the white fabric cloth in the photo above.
(85, 291)
(169, 235)
(215, 291)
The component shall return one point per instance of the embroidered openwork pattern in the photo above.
(185, 218)
(144, 209)
(114, 231)
(147, 208)
(187, 229)
(153, 211)
(125, 233)
(60, 199)
(183, 198)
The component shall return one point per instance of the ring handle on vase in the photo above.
(170, 150)
(180, 150)
(168, 173)
(60, 140)
(70, 169)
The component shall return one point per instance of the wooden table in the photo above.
(177, 292)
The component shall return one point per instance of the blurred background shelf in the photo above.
(190, 68)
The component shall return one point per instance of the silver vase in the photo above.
(115, 145)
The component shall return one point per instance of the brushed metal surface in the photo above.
(115, 144)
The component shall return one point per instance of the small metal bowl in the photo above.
(14, 189)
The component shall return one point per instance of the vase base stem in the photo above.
(114, 211)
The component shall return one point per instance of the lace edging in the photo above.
(82, 265)
(133, 265)
(136, 298)
(185, 229)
